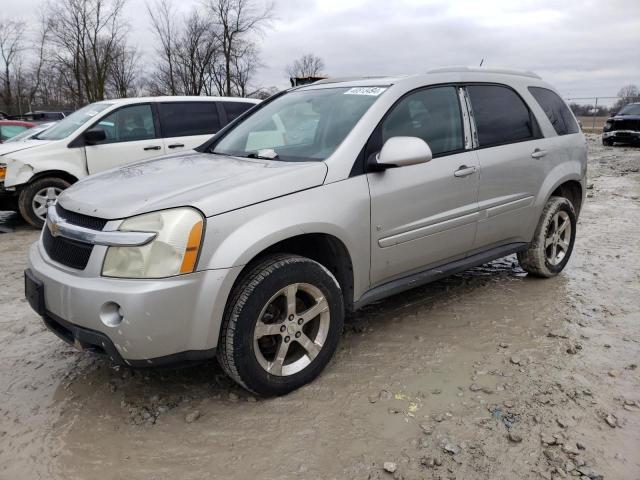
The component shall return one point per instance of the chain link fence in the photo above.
(592, 112)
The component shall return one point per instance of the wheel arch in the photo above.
(572, 191)
(324, 248)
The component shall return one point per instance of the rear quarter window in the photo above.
(555, 109)
(183, 119)
(501, 116)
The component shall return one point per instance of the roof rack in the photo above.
(348, 79)
(504, 71)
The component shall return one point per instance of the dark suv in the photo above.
(623, 127)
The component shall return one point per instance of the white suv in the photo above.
(104, 135)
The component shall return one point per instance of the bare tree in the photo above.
(87, 35)
(122, 81)
(12, 34)
(164, 27)
(237, 21)
(309, 65)
(627, 94)
(198, 51)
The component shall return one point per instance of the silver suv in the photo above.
(320, 200)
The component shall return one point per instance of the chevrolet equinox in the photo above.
(320, 200)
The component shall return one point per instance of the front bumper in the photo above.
(623, 136)
(8, 198)
(163, 320)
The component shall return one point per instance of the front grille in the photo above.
(81, 220)
(70, 252)
(626, 125)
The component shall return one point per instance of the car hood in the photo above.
(625, 117)
(212, 183)
(12, 147)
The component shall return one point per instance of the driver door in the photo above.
(425, 214)
(132, 135)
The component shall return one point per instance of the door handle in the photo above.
(177, 145)
(537, 153)
(156, 147)
(464, 171)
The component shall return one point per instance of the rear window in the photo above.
(556, 110)
(182, 119)
(501, 116)
(235, 109)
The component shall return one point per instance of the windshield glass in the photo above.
(70, 124)
(303, 125)
(633, 109)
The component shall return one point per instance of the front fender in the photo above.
(27, 164)
(340, 209)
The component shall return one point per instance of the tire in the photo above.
(258, 325)
(38, 194)
(539, 259)
(607, 142)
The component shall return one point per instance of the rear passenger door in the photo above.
(186, 125)
(511, 153)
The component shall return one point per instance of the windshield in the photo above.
(303, 125)
(70, 124)
(632, 109)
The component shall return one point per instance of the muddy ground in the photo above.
(487, 375)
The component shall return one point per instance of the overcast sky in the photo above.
(583, 47)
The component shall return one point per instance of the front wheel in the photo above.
(607, 142)
(553, 240)
(37, 195)
(282, 325)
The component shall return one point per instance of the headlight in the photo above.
(174, 250)
(607, 125)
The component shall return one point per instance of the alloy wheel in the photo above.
(292, 329)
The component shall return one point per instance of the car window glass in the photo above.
(302, 125)
(73, 122)
(432, 114)
(182, 119)
(500, 115)
(235, 109)
(8, 131)
(556, 110)
(128, 124)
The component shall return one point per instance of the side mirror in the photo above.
(94, 135)
(402, 152)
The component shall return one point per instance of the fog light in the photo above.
(111, 314)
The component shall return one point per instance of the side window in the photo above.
(235, 109)
(129, 124)
(500, 115)
(432, 114)
(182, 119)
(556, 110)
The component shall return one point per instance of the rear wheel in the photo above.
(553, 240)
(282, 325)
(37, 195)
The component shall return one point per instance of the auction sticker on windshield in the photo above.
(373, 91)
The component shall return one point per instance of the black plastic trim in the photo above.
(436, 273)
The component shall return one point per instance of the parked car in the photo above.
(104, 135)
(44, 117)
(11, 128)
(29, 133)
(253, 248)
(623, 127)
